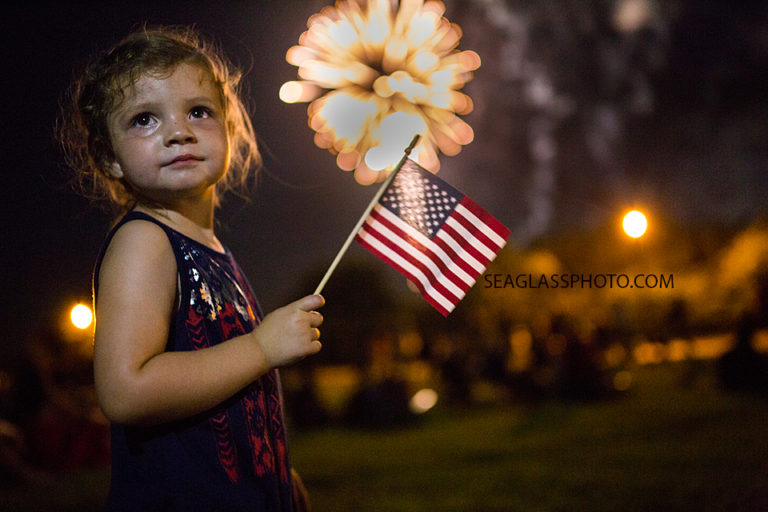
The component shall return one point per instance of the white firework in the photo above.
(378, 72)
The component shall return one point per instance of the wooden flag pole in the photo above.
(365, 215)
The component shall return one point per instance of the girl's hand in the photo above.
(290, 333)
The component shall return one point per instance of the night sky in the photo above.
(700, 155)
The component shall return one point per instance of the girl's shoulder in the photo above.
(137, 248)
(138, 232)
(139, 235)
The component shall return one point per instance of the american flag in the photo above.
(432, 234)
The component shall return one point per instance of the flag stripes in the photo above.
(442, 269)
(432, 234)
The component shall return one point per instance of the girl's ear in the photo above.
(115, 170)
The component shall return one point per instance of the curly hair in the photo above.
(94, 94)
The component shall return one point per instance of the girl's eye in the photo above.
(142, 120)
(200, 113)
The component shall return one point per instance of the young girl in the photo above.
(184, 363)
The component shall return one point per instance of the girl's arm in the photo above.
(137, 382)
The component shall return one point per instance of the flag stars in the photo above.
(420, 201)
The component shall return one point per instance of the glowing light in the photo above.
(376, 74)
(632, 15)
(635, 224)
(678, 350)
(81, 316)
(649, 353)
(622, 380)
(294, 92)
(614, 355)
(423, 400)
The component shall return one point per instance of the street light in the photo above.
(81, 316)
(635, 224)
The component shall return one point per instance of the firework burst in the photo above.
(376, 73)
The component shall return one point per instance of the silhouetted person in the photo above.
(743, 368)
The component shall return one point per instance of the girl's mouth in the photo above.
(185, 159)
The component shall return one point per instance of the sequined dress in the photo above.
(231, 458)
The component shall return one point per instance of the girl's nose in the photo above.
(179, 132)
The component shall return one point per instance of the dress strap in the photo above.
(132, 215)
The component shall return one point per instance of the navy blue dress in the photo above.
(233, 457)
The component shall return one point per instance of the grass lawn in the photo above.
(663, 447)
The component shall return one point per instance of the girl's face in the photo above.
(169, 136)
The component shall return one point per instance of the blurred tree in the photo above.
(360, 306)
(586, 107)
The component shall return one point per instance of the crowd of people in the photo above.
(49, 418)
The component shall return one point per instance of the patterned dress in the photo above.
(233, 457)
